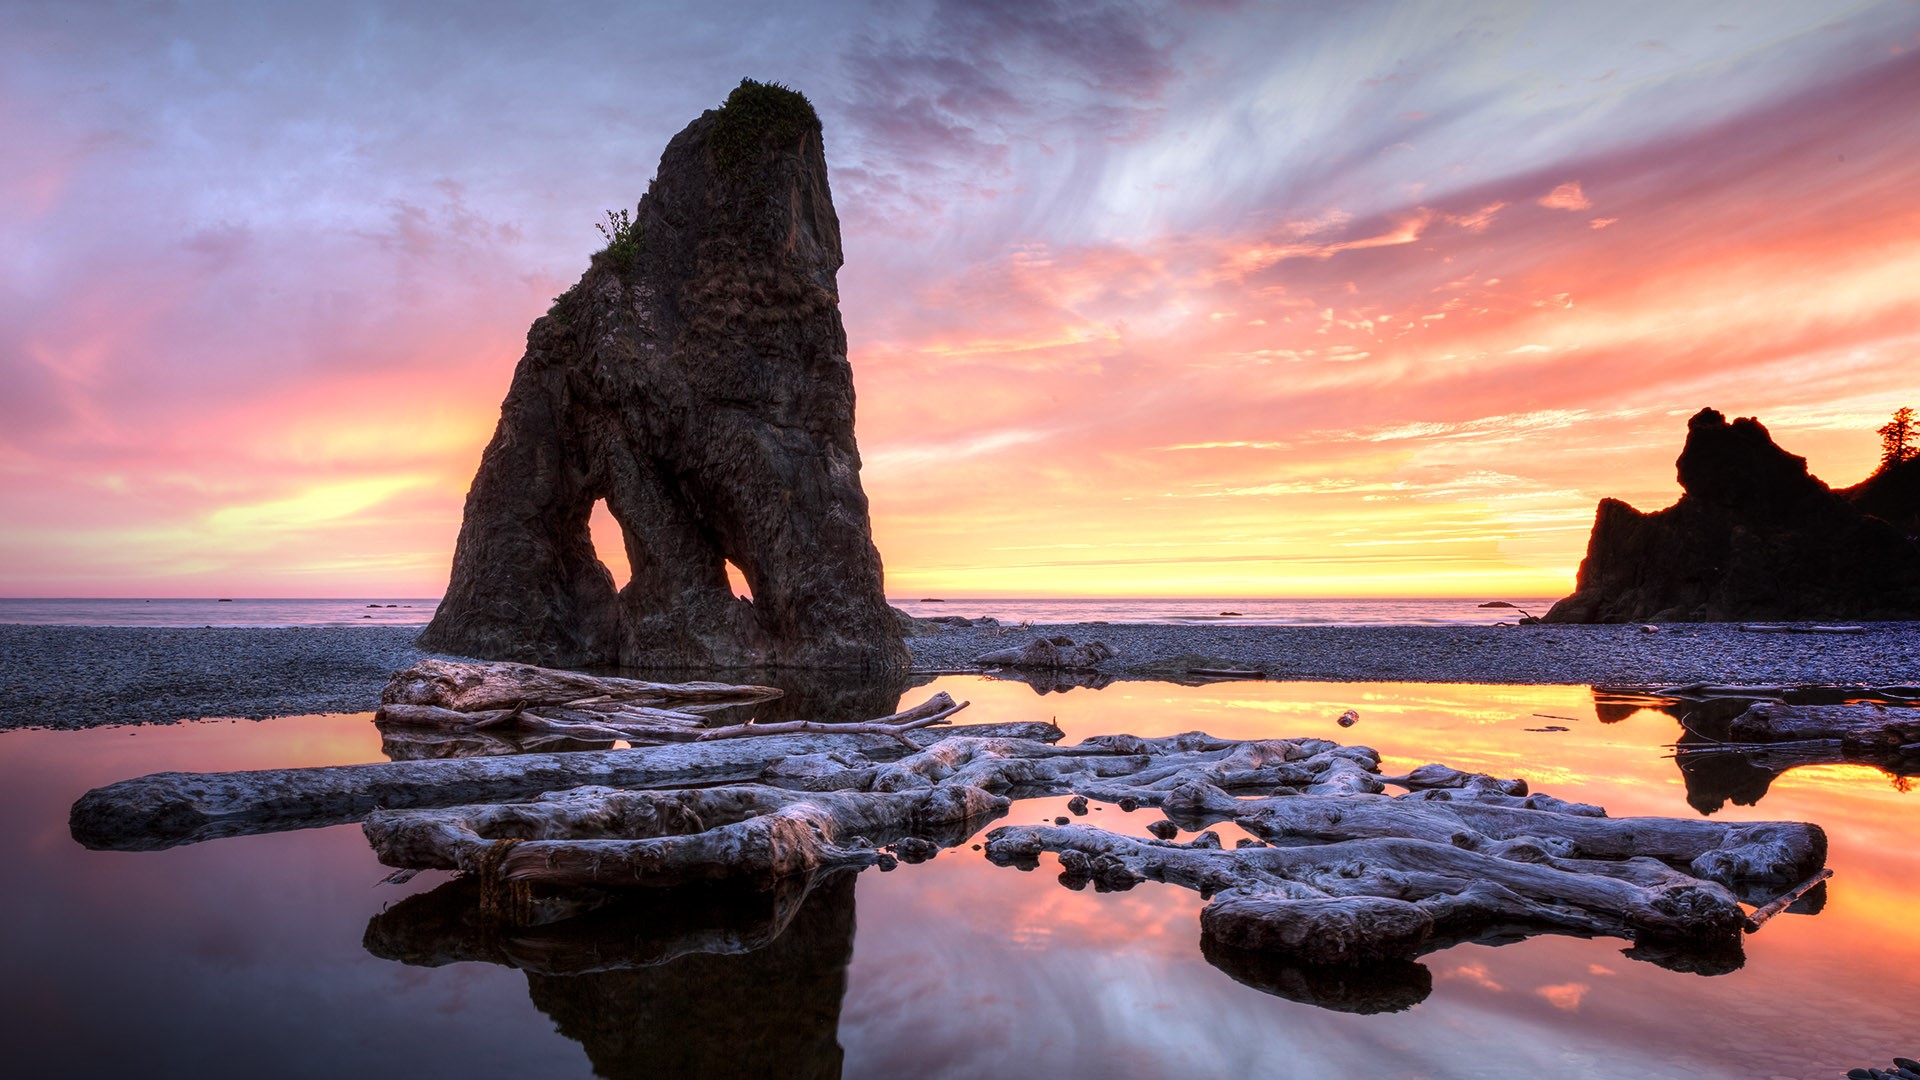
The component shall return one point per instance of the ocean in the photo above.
(415, 611)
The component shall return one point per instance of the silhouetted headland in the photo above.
(1754, 536)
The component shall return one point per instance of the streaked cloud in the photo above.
(1323, 299)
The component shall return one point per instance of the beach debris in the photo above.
(1350, 876)
(1348, 718)
(1051, 653)
(1361, 878)
(1549, 727)
(471, 687)
(1785, 901)
(937, 709)
(165, 810)
(1227, 673)
(695, 382)
(1649, 628)
(464, 697)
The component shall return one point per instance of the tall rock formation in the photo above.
(1754, 536)
(696, 379)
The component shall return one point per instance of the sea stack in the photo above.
(696, 379)
(1754, 536)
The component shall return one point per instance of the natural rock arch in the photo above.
(696, 379)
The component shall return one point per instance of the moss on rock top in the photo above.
(759, 115)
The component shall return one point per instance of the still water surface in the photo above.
(273, 955)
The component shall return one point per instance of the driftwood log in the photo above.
(1362, 878)
(461, 698)
(665, 837)
(167, 809)
(1342, 874)
(470, 687)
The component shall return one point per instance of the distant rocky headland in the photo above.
(1754, 536)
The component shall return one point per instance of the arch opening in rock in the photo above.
(609, 543)
(737, 581)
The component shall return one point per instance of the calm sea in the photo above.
(403, 611)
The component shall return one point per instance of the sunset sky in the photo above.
(1205, 299)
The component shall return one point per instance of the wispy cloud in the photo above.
(1235, 299)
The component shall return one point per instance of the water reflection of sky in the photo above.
(244, 956)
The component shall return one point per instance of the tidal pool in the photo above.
(281, 955)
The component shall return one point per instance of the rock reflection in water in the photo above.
(1392, 986)
(1044, 681)
(400, 743)
(702, 981)
(1742, 774)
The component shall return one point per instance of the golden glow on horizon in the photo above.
(1423, 393)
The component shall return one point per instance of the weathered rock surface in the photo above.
(1754, 536)
(696, 379)
(1051, 654)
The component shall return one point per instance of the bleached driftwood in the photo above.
(166, 809)
(665, 837)
(461, 698)
(1351, 876)
(937, 709)
(1526, 828)
(603, 836)
(466, 686)
(1365, 878)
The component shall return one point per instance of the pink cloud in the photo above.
(1567, 196)
(1565, 996)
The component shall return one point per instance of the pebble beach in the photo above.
(68, 677)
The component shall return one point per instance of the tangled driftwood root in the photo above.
(1341, 874)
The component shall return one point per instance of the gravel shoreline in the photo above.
(85, 676)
